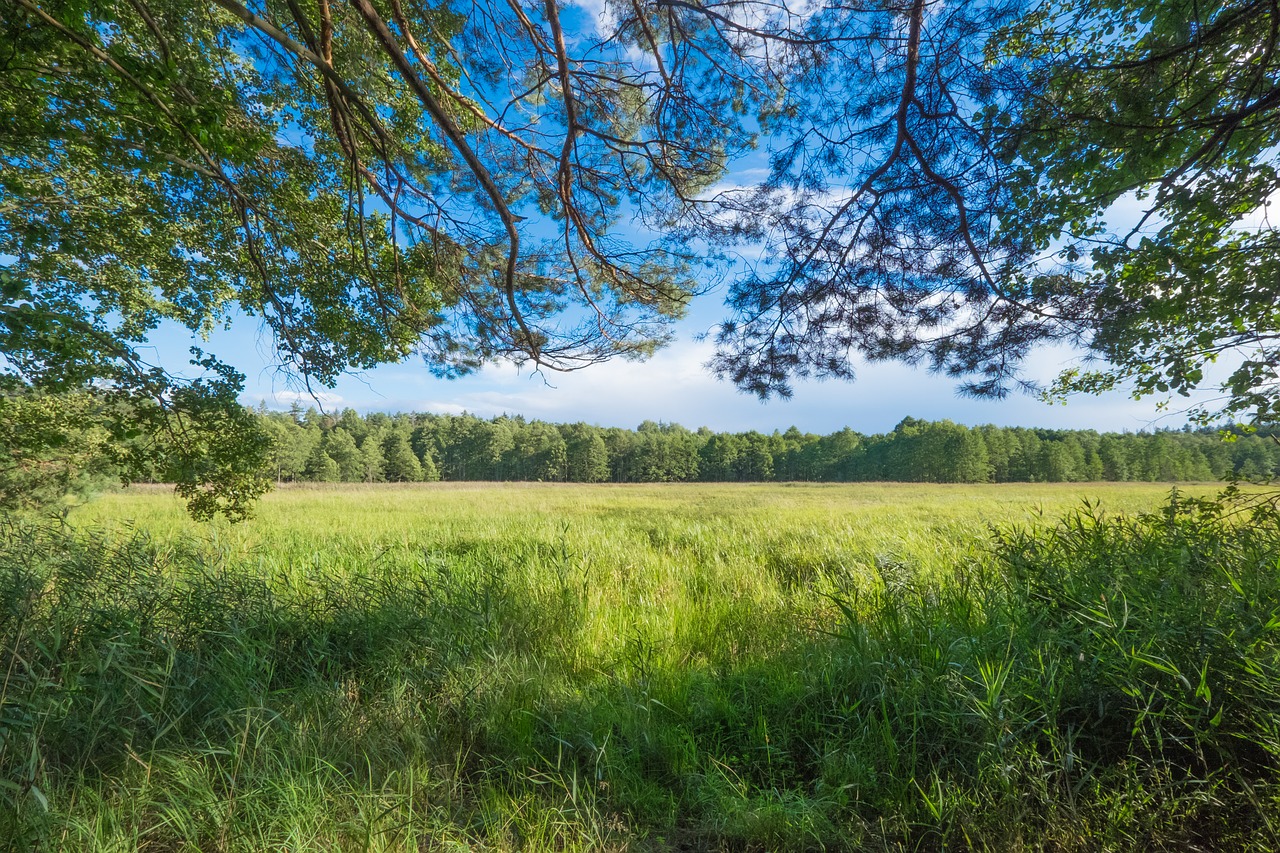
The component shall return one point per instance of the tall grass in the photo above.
(688, 669)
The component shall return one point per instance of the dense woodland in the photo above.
(312, 446)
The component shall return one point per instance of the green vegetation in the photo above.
(641, 667)
(309, 446)
(702, 667)
(380, 180)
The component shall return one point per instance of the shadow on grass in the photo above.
(1106, 683)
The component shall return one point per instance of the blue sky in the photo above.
(672, 386)
(675, 386)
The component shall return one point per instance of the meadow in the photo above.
(679, 667)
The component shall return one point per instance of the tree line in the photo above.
(483, 181)
(311, 446)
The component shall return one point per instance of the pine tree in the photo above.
(400, 465)
(586, 456)
(430, 473)
(371, 463)
(341, 447)
(321, 468)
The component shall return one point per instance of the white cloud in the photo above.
(598, 12)
(439, 408)
(284, 399)
(674, 386)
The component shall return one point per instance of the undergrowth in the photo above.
(1100, 682)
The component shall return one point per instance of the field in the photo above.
(553, 667)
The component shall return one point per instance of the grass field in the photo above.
(554, 667)
(656, 530)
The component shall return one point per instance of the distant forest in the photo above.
(310, 446)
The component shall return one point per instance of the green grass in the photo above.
(644, 667)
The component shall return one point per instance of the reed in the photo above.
(646, 668)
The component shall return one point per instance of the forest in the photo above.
(308, 446)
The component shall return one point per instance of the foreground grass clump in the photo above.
(673, 677)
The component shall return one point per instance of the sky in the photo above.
(673, 386)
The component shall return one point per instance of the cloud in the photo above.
(439, 408)
(284, 399)
(674, 386)
(597, 12)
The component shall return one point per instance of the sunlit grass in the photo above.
(641, 667)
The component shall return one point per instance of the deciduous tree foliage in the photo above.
(1171, 112)
(51, 446)
(371, 180)
(374, 179)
